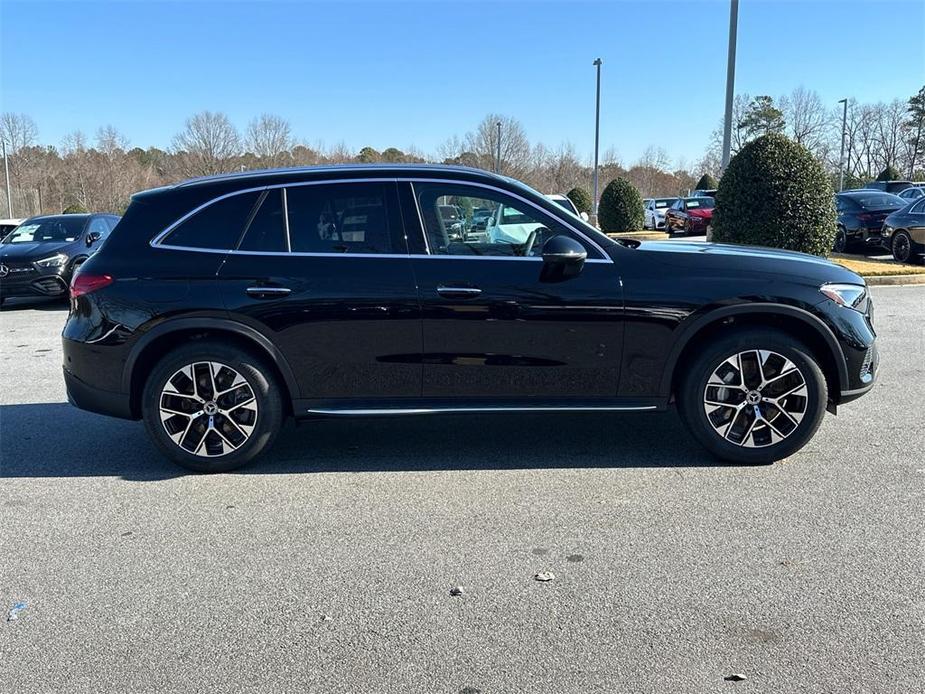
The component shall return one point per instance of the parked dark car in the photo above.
(904, 232)
(860, 218)
(39, 257)
(690, 215)
(888, 186)
(221, 306)
(704, 193)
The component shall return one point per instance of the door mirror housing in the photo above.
(563, 257)
(93, 237)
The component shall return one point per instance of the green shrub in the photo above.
(889, 174)
(620, 208)
(581, 198)
(75, 208)
(706, 182)
(775, 193)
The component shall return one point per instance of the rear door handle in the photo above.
(449, 292)
(268, 292)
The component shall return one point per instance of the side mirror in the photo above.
(563, 257)
(584, 216)
(93, 237)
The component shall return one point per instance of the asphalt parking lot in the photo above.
(327, 566)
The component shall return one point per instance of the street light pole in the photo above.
(841, 157)
(6, 166)
(730, 80)
(498, 144)
(597, 131)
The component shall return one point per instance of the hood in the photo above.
(31, 251)
(729, 259)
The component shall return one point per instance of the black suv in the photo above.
(39, 257)
(222, 305)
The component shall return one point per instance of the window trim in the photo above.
(155, 242)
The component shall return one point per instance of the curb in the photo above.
(894, 280)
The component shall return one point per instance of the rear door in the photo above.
(496, 328)
(323, 271)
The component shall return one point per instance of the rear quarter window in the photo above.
(218, 226)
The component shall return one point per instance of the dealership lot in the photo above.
(327, 566)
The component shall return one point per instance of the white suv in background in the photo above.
(655, 212)
(566, 202)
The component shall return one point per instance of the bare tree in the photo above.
(808, 121)
(19, 134)
(269, 137)
(515, 148)
(206, 145)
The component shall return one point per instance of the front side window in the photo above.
(342, 218)
(217, 226)
(505, 226)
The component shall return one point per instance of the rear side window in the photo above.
(267, 230)
(342, 218)
(218, 226)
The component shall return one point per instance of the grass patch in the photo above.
(875, 268)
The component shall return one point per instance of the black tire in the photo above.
(903, 247)
(267, 399)
(692, 393)
(840, 244)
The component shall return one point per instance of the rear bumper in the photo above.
(87, 397)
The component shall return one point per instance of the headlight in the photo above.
(56, 260)
(852, 296)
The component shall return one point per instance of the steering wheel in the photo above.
(531, 239)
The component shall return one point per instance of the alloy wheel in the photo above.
(902, 248)
(755, 398)
(208, 409)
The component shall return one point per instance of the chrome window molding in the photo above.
(156, 241)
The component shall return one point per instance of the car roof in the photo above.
(309, 172)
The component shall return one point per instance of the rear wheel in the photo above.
(755, 396)
(903, 247)
(211, 407)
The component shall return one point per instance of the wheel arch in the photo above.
(166, 336)
(797, 322)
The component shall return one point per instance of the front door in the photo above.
(323, 271)
(495, 326)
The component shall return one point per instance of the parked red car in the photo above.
(690, 215)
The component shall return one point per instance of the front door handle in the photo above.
(268, 292)
(458, 292)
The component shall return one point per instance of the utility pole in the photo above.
(841, 157)
(6, 167)
(597, 132)
(730, 80)
(498, 157)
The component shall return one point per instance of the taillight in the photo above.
(85, 283)
(866, 217)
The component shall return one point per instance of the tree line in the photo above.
(101, 173)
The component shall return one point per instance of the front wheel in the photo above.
(754, 396)
(211, 407)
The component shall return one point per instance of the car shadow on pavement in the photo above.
(58, 440)
(41, 304)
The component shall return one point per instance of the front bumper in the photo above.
(28, 281)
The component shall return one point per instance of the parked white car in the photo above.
(914, 192)
(655, 212)
(7, 225)
(566, 202)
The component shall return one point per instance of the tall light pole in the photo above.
(730, 80)
(841, 157)
(6, 167)
(498, 144)
(597, 131)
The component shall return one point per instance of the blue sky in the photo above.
(401, 73)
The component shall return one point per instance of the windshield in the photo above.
(700, 203)
(566, 203)
(664, 202)
(55, 230)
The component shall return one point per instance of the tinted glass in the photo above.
(217, 226)
(340, 218)
(513, 228)
(663, 202)
(875, 200)
(267, 231)
(919, 207)
(703, 203)
(99, 225)
(48, 230)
